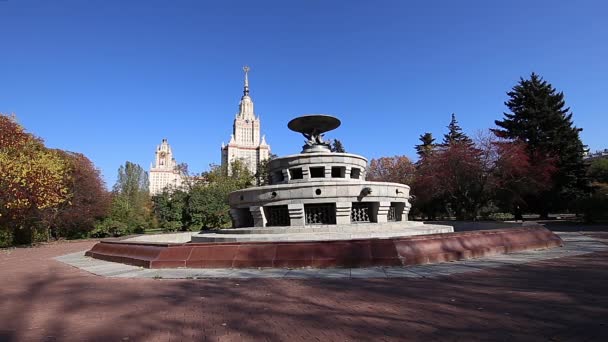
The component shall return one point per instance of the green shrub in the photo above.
(192, 228)
(595, 207)
(6, 238)
(40, 234)
(109, 227)
(77, 234)
(171, 226)
(487, 211)
(138, 225)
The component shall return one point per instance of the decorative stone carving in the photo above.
(392, 214)
(360, 212)
(324, 213)
(277, 215)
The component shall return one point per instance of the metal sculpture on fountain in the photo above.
(313, 128)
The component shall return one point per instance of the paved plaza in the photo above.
(54, 293)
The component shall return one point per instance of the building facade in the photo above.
(164, 172)
(246, 143)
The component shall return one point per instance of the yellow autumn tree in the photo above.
(32, 179)
(396, 169)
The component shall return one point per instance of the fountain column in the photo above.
(343, 212)
(259, 219)
(383, 208)
(296, 214)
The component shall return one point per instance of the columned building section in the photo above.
(164, 173)
(246, 143)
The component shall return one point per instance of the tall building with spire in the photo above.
(164, 172)
(245, 143)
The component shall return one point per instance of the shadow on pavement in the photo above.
(562, 299)
(553, 225)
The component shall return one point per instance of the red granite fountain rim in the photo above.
(540, 228)
(321, 254)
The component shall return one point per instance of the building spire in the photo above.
(246, 89)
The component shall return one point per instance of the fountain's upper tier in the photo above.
(306, 167)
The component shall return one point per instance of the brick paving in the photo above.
(559, 299)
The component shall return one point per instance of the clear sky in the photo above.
(111, 78)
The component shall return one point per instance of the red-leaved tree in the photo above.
(518, 177)
(453, 178)
(460, 179)
(89, 200)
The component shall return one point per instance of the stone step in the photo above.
(358, 227)
(322, 236)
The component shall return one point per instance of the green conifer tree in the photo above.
(539, 117)
(425, 149)
(455, 134)
(336, 146)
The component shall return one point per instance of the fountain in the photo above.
(320, 211)
(319, 195)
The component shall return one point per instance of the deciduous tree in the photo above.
(262, 175)
(89, 200)
(170, 208)
(598, 170)
(32, 179)
(130, 198)
(208, 205)
(517, 177)
(396, 169)
(453, 176)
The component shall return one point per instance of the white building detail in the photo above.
(164, 172)
(245, 142)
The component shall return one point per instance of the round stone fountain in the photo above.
(319, 195)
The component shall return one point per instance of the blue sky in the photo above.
(111, 78)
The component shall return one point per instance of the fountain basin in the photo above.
(347, 253)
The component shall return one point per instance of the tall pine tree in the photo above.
(455, 134)
(426, 147)
(336, 146)
(539, 117)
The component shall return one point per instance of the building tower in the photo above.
(164, 172)
(245, 142)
